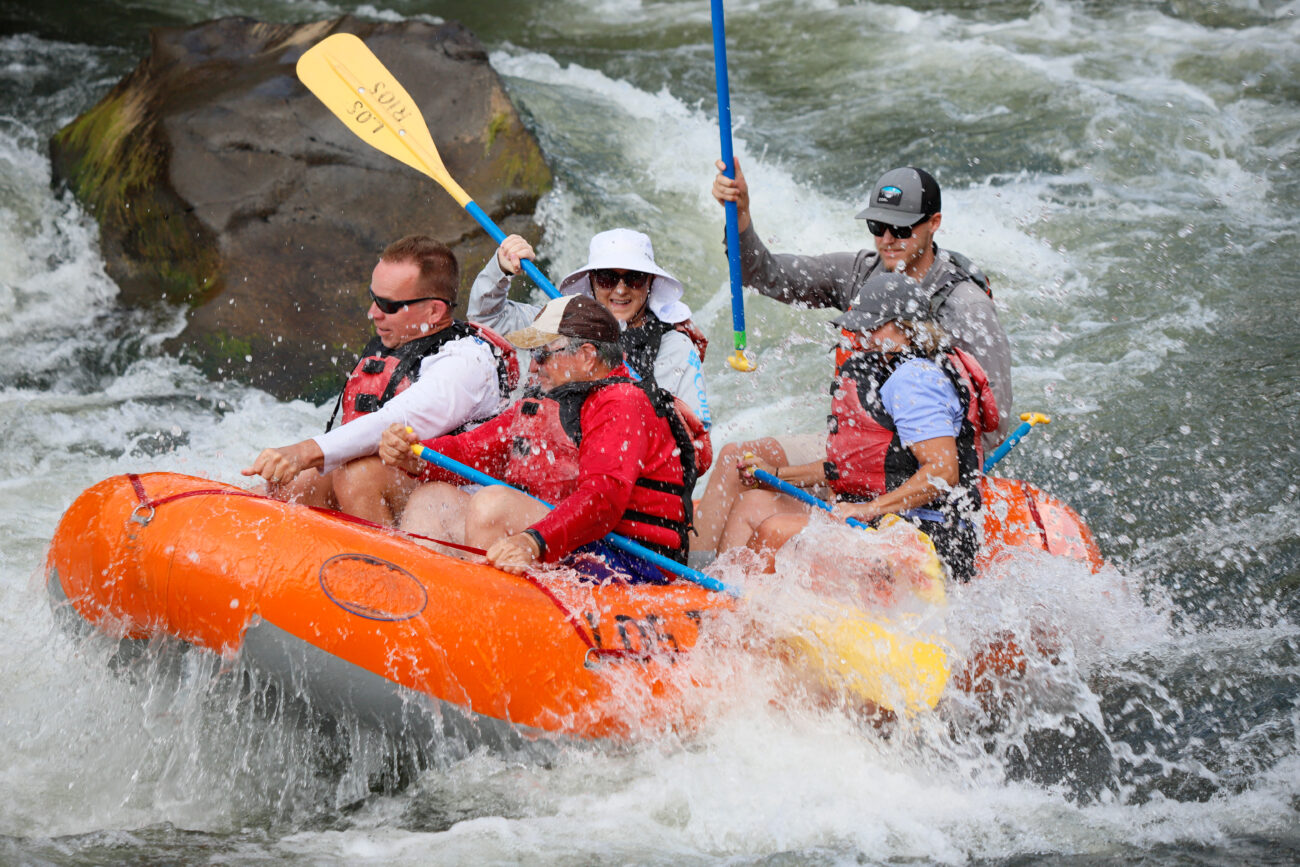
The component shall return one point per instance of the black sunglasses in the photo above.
(543, 354)
(608, 278)
(389, 306)
(902, 233)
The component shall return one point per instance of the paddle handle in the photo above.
(622, 543)
(534, 273)
(1028, 420)
(800, 494)
(738, 359)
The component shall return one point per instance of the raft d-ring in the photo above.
(140, 517)
(588, 661)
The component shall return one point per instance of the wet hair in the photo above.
(439, 271)
(927, 337)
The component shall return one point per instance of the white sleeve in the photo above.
(489, 305)
(678, 369)
(456, 385)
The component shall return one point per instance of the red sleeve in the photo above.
(611, 458)
(486, 448)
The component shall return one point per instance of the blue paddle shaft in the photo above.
(620, 542)
(800, 494)
(534, 273)
(729, 162)
(1007, 445)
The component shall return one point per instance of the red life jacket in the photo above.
(544, 461)
(543, 458)
(382, 373)
(864, 455)
(691, 330)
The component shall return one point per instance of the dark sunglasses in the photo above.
(543, 353)
(608, 278)
(902, 233)
(389, 306)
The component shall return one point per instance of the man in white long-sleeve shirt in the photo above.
(422, 369)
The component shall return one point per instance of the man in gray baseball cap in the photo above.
(903, 213)
(903, 197)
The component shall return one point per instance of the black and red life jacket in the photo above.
(544, 461)
(864, 455)
(543, 458)
(382, 373)
(641, 344)
(963, 269)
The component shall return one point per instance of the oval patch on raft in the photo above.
(372, 588)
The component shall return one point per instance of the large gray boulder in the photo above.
(221, 183)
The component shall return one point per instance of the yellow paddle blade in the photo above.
(854, 654)
(346, 76)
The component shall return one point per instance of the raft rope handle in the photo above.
(592, 649)
(147, 502)
(1038, 519)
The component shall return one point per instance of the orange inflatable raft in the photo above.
(358, 616)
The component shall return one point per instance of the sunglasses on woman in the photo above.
(389, 306)
(902, 233)
(608, 278)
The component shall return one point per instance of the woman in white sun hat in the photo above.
(659, 340)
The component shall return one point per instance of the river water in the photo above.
(1127, 174)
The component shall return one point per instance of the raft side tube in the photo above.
(1018, 515)
(336, 687)
(206, 561)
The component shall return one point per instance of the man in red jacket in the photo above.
(616, 451)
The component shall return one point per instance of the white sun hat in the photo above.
(628, 250)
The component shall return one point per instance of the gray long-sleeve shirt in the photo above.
(833, 280)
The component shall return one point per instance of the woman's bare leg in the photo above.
(724, 488)
(752, 509)
(774, 532)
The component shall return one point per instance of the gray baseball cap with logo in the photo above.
(903, 197)
(886, 296)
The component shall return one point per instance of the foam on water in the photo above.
(770, 774)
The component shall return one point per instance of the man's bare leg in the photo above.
(310, 488)
(370, 489)
(437, 510)
(497, 512)
(773, 533)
